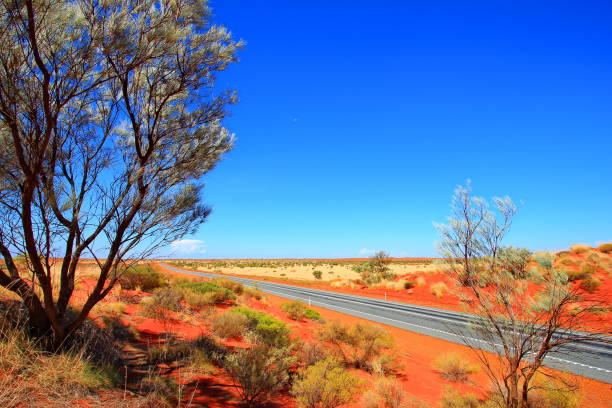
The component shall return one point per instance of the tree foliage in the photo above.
(523, 327)
(108, 121)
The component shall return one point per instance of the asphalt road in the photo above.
(592, 359)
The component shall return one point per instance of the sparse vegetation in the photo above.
(142, 277)
(326, 384)
(356, 345)
(451, 398)
(271, 331)
(376, 269)
(317, 274)
(388, 393)
(455, 368)
(259, 372)
(230, 325)
(298, 311)
(438, 289)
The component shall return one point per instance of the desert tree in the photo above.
(519, 320)
(109, 118)
(376, 269)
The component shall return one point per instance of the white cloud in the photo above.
(189, 246)
(366, 251)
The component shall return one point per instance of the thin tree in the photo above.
(108, 121)
(520, 327)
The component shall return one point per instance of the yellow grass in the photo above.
(339, 273)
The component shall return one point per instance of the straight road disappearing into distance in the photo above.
(592, 360)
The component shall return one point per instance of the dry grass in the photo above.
(438, 289)
(330, 271)
(455, 368)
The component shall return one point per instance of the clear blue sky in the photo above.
(358, 119)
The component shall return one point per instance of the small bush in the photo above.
(591, 284)
(607, 248)
(141, 276)
(229, 284)
(166, 353)
(579, 248)
(438, 289)
(259, 372)
(166, 390)
(515, 260)
(584, 272)
(298, 311)
(356, 345)
(110, 308)
(420, 281)
(230, 325)
(325, 385)
(317, 275)
(409, 284)
(388, 393)
(270, 330)
(451, 398)
(249, 292)
(216, 293)
(311, 353)
(454, 368)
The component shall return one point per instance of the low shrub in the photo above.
(317, 275)
(212, 292)
(579, 248)
(311, 353)
(165, 389)
(298, 311)
(230, 325)
(270, 331)
(141, 276)
(356, 345)
(584, 272)
(249, 293)
(515, 260)
(454, 368)
(167, 353)
(591, 284)
(420, 281)
(451, 398)
(438, 289)
(607, 248)
(409, 284)
(325, 385)
(259, 372)
(388, 393)
(110, 308)
(229, 284)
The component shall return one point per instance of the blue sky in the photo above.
(358, 119)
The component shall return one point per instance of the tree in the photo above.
(376, 269)
(520, 326)
(108, 121)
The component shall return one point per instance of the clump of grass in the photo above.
(230, 325)
(591, 284)
(579, 248)
(254, 293)
(438, 289)
(420, 281)
(607, 248)
(229, 284)
(454, 368)
(584, 272)
(110, 308)
(451, 398)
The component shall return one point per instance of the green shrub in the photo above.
(141, 276)
(259, 372)
(236, 287)
(317, 275)
(325, 385)
(607, 248)
(271, 331)
(230, 325)
(409, 284)
(298, 311)
(452, 367)
(388, 393)
(214, 294)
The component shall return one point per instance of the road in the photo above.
(592, 360)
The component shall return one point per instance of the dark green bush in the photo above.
(317, 274)
(221, 294)
(409, 284)
(141, 276)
